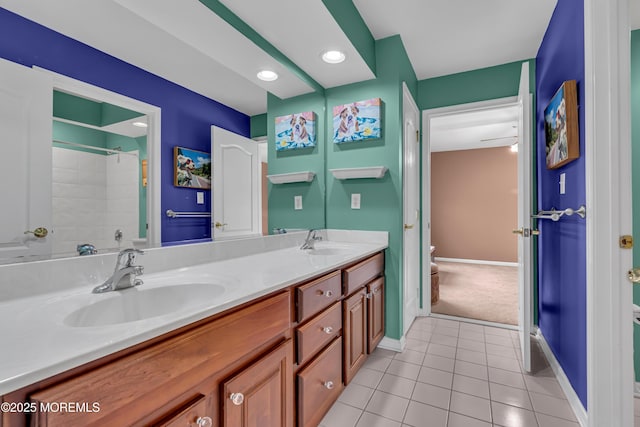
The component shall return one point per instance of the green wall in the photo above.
(281, 212)
(499, 81)
(329, 199)
(258, 125)
(93, 113)
(495, 82)
(635, 143)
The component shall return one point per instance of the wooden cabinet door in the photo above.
(354, 317)
(262, 394)
(375, 304)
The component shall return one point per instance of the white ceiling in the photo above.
(486, 128)
(185, 42)
(450, 36)
(112, 28)
(303, 31)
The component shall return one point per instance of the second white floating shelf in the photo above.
(286, 178)
(354, 173)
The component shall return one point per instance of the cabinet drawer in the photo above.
(318, 332)
(315, 296)
(148, 380)
(319, 385)
(193, 413)
(360, 274)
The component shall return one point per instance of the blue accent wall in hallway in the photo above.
(562, 245)
(186, 116)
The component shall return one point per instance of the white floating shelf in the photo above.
(285, 178)
(354, 173)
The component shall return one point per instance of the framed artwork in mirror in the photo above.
(357, 121)
(296, 131)
(561, 126)
(192, 168)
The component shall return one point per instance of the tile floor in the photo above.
(453, 374)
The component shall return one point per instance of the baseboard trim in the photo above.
(393, 344)
(572, 397)
(478, 261)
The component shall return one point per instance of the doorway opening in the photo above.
(470, 193)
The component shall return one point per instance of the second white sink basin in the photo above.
(135, 304)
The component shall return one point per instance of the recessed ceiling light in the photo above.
(333, 57)
(267, 75)
(140, 124)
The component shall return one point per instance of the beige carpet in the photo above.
(477, 291)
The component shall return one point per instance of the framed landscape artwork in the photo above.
(561, 126)
(192, 168)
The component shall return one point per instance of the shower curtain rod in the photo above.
(108, 150)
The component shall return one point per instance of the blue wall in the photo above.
(186, 115)
(562, 245)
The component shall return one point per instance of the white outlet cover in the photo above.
(355, 201)
(297, 203)
(200, 198)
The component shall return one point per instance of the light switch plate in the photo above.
(563, 187)
(200, 198)
(297, 203)
(355, 201)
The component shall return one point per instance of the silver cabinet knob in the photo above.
(237, 398)
(204, 422)
(328, 330)
(328, 385)
(328, 294)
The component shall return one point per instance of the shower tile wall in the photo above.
(91, 193)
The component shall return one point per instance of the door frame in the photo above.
(154, 172)
(427, 115)
(408, 101)
(609, 212)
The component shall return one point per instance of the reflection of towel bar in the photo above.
(555, 215)
(172, 214)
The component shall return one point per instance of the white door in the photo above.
(411, 214)
(236, 185)
(26, 107)
(524, 217)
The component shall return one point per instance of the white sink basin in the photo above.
(135, 304)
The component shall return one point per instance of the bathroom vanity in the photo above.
(277, 352)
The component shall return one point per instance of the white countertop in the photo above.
(37, 344)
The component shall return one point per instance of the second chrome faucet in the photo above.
(125, 274)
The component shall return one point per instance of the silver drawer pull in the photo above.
(329, 385)
(328, 330)
(328, 294)
(204, 422)
(237, 398)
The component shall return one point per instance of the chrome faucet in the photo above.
(125, 275)
(311, 239)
